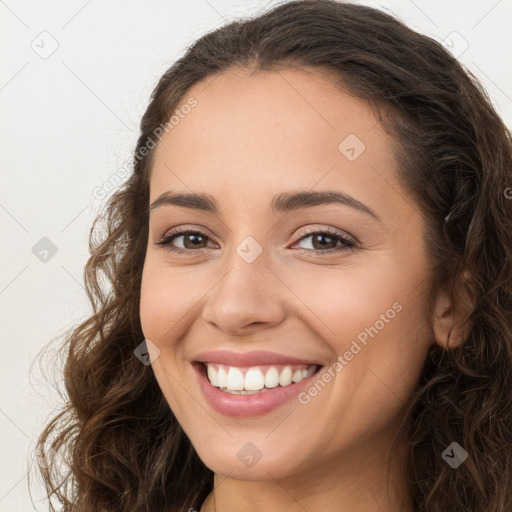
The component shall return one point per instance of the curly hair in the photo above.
(117, 446)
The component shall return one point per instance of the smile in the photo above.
(256, 379)
(272, 386)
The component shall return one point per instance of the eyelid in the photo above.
(348, 241)
(181, 229)
(185, 228)
(326, 229)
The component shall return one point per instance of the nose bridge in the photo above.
(247, 259)
(247, 292)
(247, 275)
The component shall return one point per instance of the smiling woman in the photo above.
(317, 264)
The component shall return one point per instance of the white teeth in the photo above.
(212, 375)
(222, 380)
(272, 378)
(285, 378)
(235, 380)
(243, 391)
(297, 376)
(308, 372)
(232, 380)
(254, 380)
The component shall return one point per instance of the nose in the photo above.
(248, 297)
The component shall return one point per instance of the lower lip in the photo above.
(244, 406)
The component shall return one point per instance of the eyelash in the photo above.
(166, 240)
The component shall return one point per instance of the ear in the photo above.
(448, 315)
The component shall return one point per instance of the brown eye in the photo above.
(193, 241)
(326, 241)
(323, 242)
(196, 240)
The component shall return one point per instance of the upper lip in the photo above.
(252, 358)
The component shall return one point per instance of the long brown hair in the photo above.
(122, 447)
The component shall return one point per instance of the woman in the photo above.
(311, 277)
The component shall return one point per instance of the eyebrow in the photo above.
(281, 203)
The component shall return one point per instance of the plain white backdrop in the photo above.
(75, 78)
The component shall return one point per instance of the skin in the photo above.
(253, 135)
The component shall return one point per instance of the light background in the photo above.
(69, 121)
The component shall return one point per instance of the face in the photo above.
(336, 282)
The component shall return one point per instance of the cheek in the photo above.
(375, 318)
(151, 304)
(342, 302)
(164, 300)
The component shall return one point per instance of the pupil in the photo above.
(322, 245)
(194, 244)
(196, 240)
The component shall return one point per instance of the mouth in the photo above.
(251, 380)
(251, 403)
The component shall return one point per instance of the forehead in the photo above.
(260, 133)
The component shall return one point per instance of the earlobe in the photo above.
(449, 316)
(443, 319)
